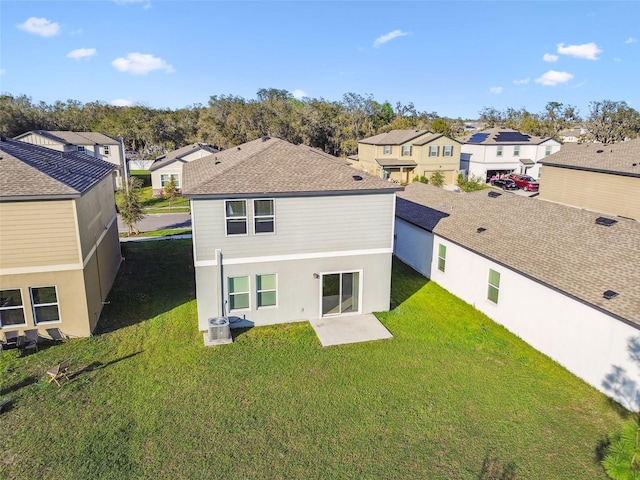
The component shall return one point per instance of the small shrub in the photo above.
(622, 461)
(437, 179)
(471, 184)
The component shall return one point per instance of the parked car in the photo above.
(527, 183)
(505, 184)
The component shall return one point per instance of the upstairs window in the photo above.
(516, 151)
(406, 150)
(494, 286)
(45, 304)
(387, 149)
(107, 150)
(11, 308)
(80, 148)
(442, 257)
(434, 150)
(236, 217)
(447, 151)
(263, 216)
(547, 151)
(499, 152)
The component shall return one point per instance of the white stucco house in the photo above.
(285, 233)
(96, 144)
(565, 280)
(168, 167)
(503, 150)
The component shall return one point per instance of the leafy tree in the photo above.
(470, 184)
(436, 179)
(440, 125)
(611, 122)
(129, 204)
(170, 191)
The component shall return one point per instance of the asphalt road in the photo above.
(159, 221)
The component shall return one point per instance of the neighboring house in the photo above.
(402, 155)
(284, 233)
(595, 176)
(502, 150)
(556, 276)
(59, 246)
(95, 144)
(572, 135)
(168, 167)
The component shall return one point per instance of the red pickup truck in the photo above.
(527, 183)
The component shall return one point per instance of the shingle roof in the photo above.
(30, 170)
(74, 138)
(395, 162)
(433, 137)
(177, 154)
(502, 136)
(394, 137)
(617, 158)
(556, 245)
(273, 166)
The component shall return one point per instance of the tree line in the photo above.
(333, 126)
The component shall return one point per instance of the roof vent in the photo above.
(481, 229)
(239, 148)
(265, 138)
(357, 178)
(606, 222)
(609, 294)
(599, 151)
(494, 194)
(634, 164)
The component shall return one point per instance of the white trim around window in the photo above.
(447, 151)
(106, 149)
(388, 149)
(516, 150)
(266, 290)
(165, 177)
(45, 304)
(235, 216)
(12, 308)
(406, 150)
(264, 216)
(434, 150)
(239, 289)
(499, 151)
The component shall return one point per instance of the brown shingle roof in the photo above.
(617, 158)
(177, 154)
(556, 245)
(394, 137)
(502, 136)
(74, 138)
(395, 162)
(433, 137)
(273, 166)
(30, 170)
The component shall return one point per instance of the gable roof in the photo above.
(176, 155)
(432, 137)
(394, 137)
(616, 158)
(73, 138)
(31, 171)
(568, 251)
(269, 166)
(503, 136)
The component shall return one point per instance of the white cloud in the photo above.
(388, 37)
(141, 64)
(299, 94)
(40, 26)
(631, 40)
(121, 102)
(80, 53)
(554, 78)
(589, 51)
(548, 57)
(495, 90)
(523, 81)
(146, 3)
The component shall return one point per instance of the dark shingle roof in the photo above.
(177, 154)
(556, 245)
(33, 171)
(74, 138)
(617, 158)
(394, 137)
(395, 162)
(502, 136)
(273, 166)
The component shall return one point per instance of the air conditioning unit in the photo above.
(218, 333)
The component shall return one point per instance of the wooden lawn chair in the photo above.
(58, 372)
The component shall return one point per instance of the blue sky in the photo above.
(453, 57)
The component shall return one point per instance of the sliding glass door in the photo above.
(340, 293)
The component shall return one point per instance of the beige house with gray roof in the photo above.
(402, 155)
(285, 233)
(59, 245)
(603, 178)
(168, 167)
(563, 279)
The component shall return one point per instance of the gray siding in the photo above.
(414, 246)
(303, 225)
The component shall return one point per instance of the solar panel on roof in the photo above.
(478, 137)
(510, 137)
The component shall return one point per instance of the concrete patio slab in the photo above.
(349, 329)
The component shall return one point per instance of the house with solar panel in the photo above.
(59, 245)
(564, 279)
(96, 144)
(501, 150)
(168, 167)
(402, 155)
(285, 233)
(603, 178)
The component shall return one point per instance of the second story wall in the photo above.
(303, 225)
(96, 211)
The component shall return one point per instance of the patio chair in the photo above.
(30, 341)
(10, 340)
(55, 334)
(59, 372)
(4, 404)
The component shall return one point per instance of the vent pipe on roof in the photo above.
(609, 294)
(481, 229)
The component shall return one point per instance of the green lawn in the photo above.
(451, 396)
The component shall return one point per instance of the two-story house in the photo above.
(59, 245)
(96, 144)
(284, 233)
(168, 167)
(595, 176)
(402, 155)
(502, 151)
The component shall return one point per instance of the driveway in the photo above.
(159, 221)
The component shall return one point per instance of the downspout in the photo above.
(219, 283)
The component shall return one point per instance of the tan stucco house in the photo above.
(402, 155)
(595, 176)
(168, 167)
(59, 246)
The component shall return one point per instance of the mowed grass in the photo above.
(451, 396)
